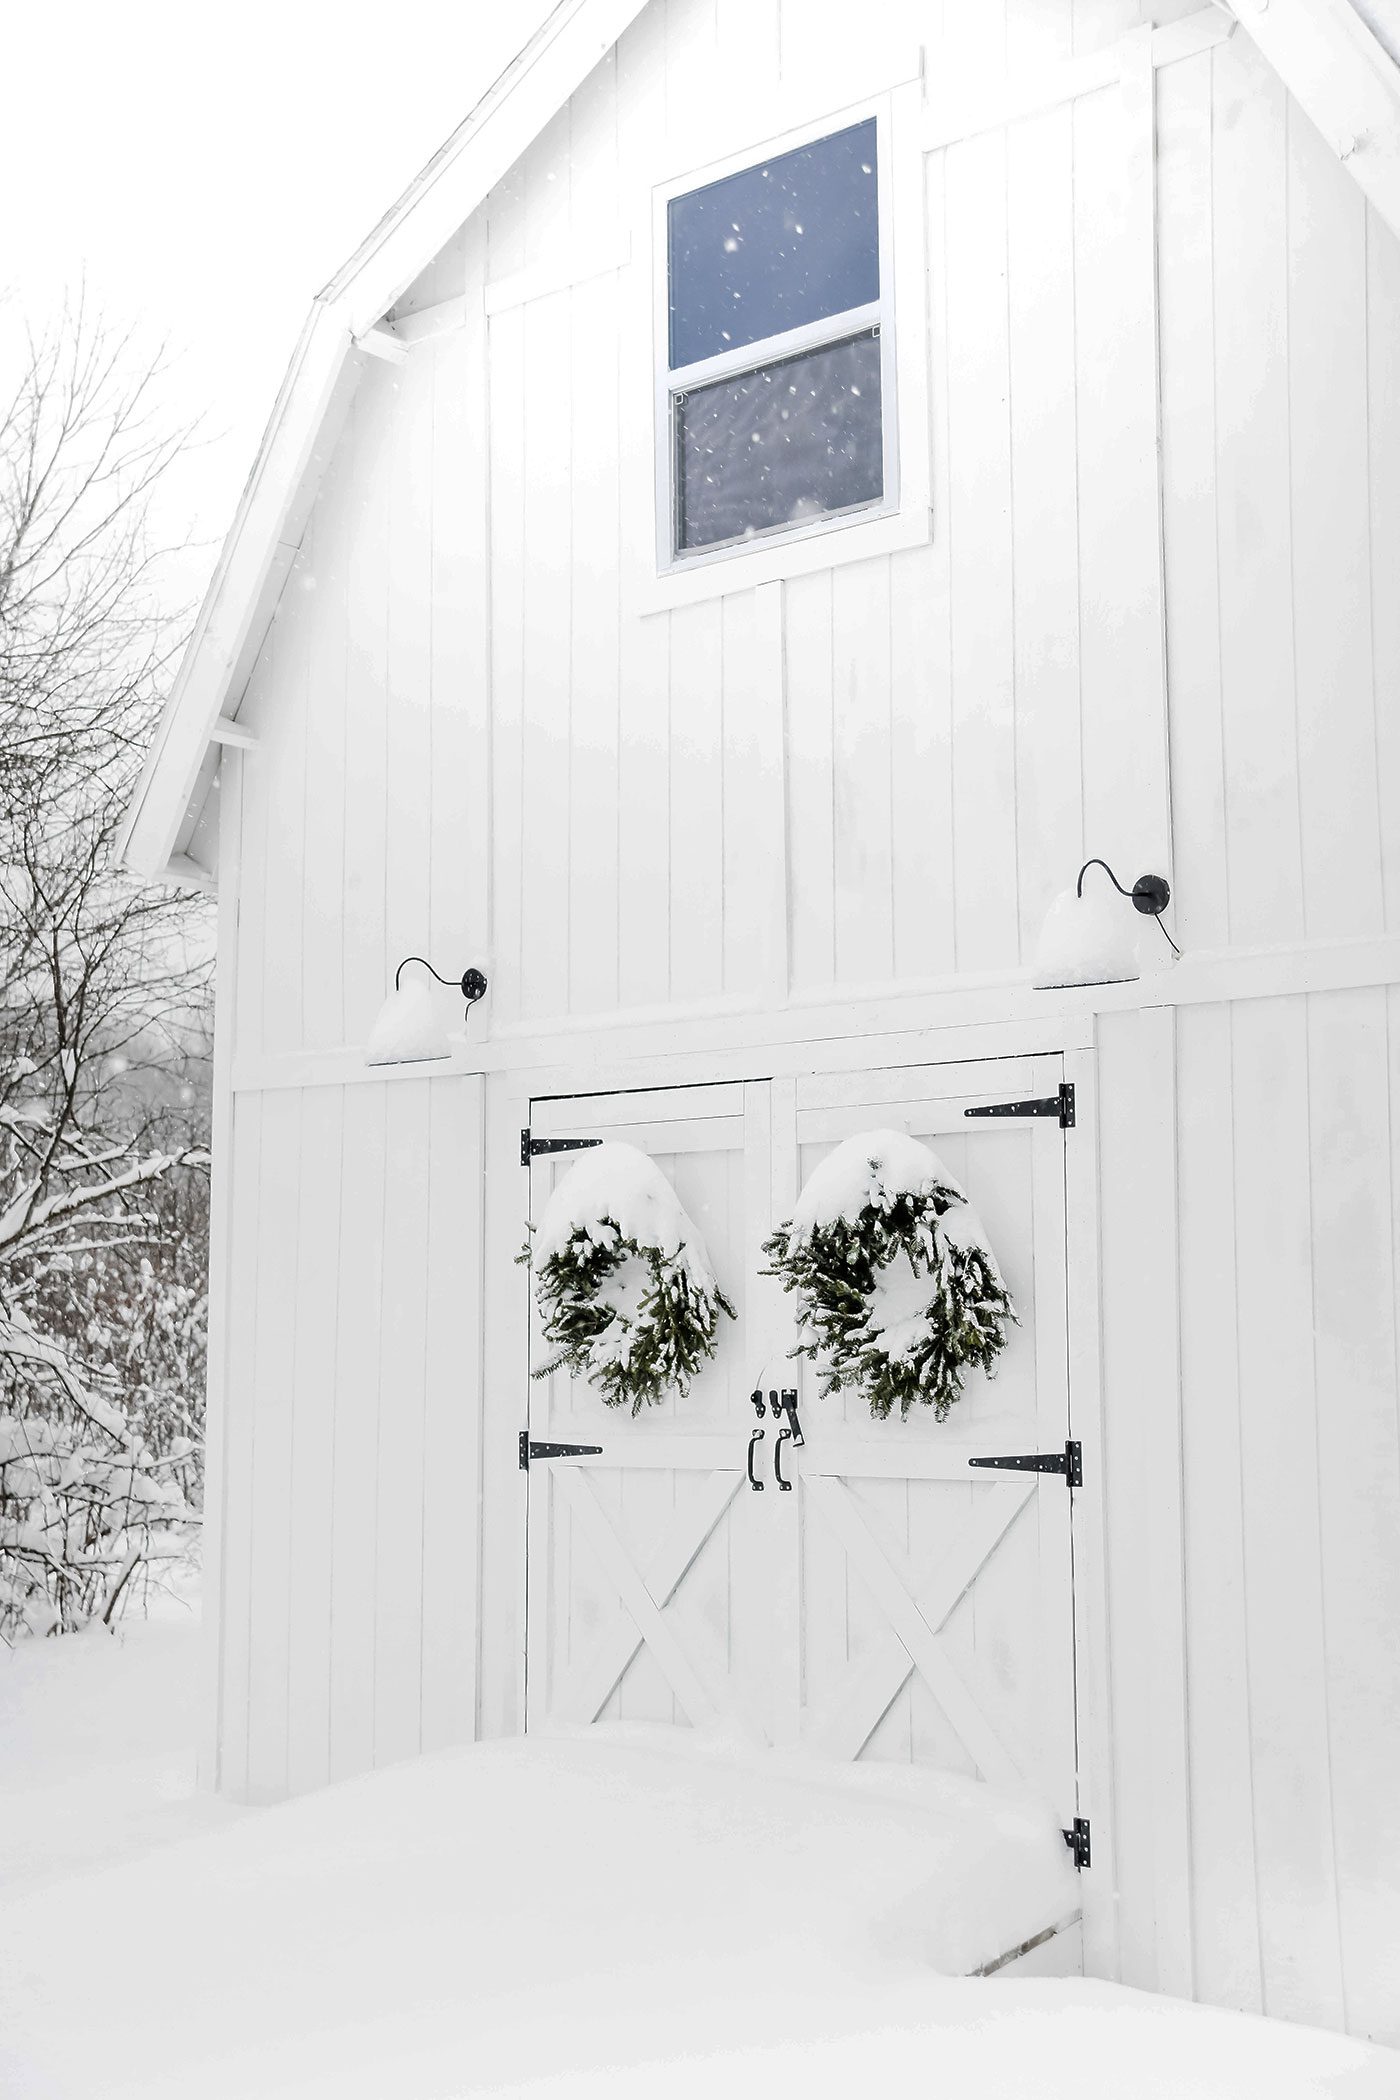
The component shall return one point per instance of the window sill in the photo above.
(743, 568)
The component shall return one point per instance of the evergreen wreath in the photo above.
(625, 1292)
(905, 1335)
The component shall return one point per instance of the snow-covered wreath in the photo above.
(626, 1294)
(899, 1292)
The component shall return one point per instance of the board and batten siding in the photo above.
(876, 773)
(1251, 1248)
(474, 745)
(349, 1441)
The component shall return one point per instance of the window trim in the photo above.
(671, 563)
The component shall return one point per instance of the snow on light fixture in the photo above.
(407, 1028)
(1089, 940)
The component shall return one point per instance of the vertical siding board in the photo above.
(506, 356)
(399, 1456)
(861, 759)
(459, 791)
(548, 605)
(1142, 1384)
(505, 1404)
(811, 791)
(1201, 897)
(452, 1413)
(1358, 1470)
(1383, 406)
(1123, 698)
(1225, 1909)
(697, 802)
(364, 951)
(1283, 1572)
(1251, 393)
(408, 742)
(317, 1310)
(323, 819)
(1330, 530)
(979, 525)
(282, 735)
(755, 818)
(355, 1450)
(240, 1388)
(594, 493)
(1044, 476)
(921, 780)
(273, 1399)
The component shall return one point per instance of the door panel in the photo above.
(897, 1606)
(645, 1561)
(937, 1623)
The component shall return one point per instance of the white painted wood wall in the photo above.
(849, 796)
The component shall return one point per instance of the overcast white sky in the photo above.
(208, 168)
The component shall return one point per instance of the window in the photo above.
(778, 380)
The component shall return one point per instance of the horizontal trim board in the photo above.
(585, 1110)
(557, 273)
(1053, 86)
(1007, 1014)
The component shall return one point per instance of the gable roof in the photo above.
(1323, 51)
(311, 405)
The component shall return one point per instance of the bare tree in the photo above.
(103, 999)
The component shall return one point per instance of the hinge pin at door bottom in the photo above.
(1077, 1838)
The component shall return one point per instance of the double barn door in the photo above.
(891, 1602)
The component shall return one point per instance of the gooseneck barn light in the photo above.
(408, 1028)
(1089, 939)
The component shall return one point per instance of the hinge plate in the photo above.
(1070, 1462)
(535, 1148)
(1077, 1838)
(530, 1449)
(1060, 1104)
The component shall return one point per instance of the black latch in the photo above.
(1077, 1838)
(533, 1147)
(529, 1450)
(1070, 1462)
(1059, 1104)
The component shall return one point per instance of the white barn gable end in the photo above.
(752, 827)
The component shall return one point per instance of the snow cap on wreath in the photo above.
(624, 1286)
(898, 1290)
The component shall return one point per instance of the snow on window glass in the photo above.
(791, 240)
(795, 439)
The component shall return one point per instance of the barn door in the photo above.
(936, 1620)
(648, 1561)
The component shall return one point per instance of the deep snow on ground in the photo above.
(97, 1736)
(566, 1918)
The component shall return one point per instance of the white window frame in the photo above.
(900, 517)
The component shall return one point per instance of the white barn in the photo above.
(748, 793)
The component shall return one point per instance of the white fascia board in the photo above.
(1339, 73)
(575, 38)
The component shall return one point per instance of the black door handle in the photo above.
(755, 1437)
(784, 1437)
(790, 1410)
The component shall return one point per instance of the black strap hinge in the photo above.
(1070, 1462)
(1059, 1104)
(530, 1449)
(1077, 1838)
(534, 1148)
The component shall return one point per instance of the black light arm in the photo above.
(1150, 894)
(471, 984)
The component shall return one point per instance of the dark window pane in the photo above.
(791, 240)
(793, 440)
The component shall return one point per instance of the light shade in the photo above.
(1086, 940)
(407, 1028)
